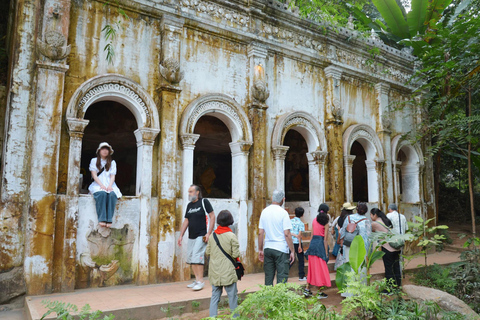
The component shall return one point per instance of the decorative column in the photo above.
(372, 180)
(162, 248)
(336, 183)
(279, 154)
(316, 169)
(397, 177)
(240, 152)
(145, 140)
(384, 133)
(411, 186)
(51, 68)
(188, 141)
(348, 164)
(65, 262)
(379, 168)
(257, 107)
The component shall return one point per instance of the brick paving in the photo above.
(156, 301)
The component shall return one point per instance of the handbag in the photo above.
(239, 269)
(397, 243)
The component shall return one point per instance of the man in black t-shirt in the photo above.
(196, 221)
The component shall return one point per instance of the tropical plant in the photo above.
(110, 30)
(68, 311)
(425, 236)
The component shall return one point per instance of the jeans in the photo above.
(301, 261)
(216, 295)
(336, 248)
(276, 261)
(391, 261)
(105, 204)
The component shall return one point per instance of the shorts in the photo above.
(196, 251)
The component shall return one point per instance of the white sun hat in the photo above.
(105, 144)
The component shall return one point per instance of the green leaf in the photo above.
(435, 10)
(340, 277)
(357, 253)
(416, 17)
(392, 14)
(376, 255)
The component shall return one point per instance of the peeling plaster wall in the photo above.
(215, 55)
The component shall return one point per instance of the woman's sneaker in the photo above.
(191, 285)
(199, 286)
(322, 295)
(307, 293)
(302, 279)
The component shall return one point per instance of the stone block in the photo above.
(12, 284)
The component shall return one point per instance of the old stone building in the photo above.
(239, 96)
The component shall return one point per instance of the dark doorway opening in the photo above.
(212, 169)
(359, 173)
(403, 158)
(111, 122)
(296, 167)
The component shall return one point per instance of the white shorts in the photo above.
(196, 251)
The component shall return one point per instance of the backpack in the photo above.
(351, 231)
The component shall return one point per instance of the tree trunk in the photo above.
(436, 181)
(469, 159)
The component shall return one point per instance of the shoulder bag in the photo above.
(239, 269)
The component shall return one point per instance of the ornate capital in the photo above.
(348, 160)
(146, 136)
(382, 88)
(188, 140)
(333, 72)
(76, 127)
(240, 147)
(280, 152)
(170, 71)
(172, 24)
(54, 46)
(257, 50)
(317, 157)
(386, 122)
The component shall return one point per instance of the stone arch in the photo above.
(310, 129)
(407, 173)
(367, 137)
(115, 87)
(372, 146)
(222, 107)
(303, 123)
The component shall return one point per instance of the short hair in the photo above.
(278, 196)
(323, 218)
(323, 207)
(362, 208)
(225, 218)
(299, 212)
(197, 188)
(393, 206)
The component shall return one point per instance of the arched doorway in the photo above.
(359, 173)
(212, 158)
(296, 167)
(112, 122)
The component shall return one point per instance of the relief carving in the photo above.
(53, 47)
(260, 91)
(216, 11)
(170, 71)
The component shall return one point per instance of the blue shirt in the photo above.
(297, 227)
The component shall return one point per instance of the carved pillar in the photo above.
(348, 164)
(163, 223)
(384, 133)
(379, 169)
(66, 230)
(316, 169)
(145, 140)
(188, 146)
(258, 94)
(397, 166)
(240, 152)
(279, 154)
(39, 241)
(336, 183)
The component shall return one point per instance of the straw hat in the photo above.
(348, 206)
(103, 145)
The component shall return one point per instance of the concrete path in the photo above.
(130, 302)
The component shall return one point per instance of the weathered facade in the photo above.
(240, 96)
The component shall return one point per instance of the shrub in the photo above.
(437, 277)
(68, 311)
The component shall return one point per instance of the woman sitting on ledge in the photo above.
(104, 190)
